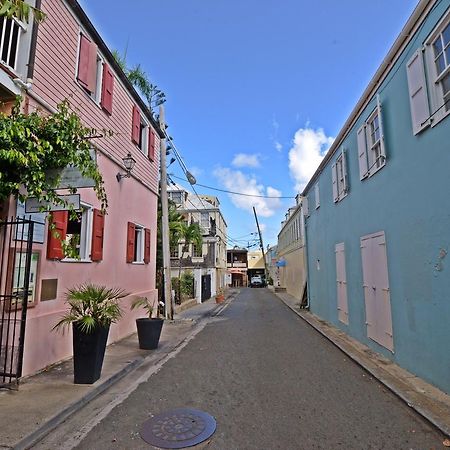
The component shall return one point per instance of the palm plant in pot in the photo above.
(92, 309)
(148, 328)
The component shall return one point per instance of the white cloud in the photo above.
(309, 148)
(278, 146)
(246, 160)
(236, 181)
(196, 171)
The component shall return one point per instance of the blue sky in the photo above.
(256, 90)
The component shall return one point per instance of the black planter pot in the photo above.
(149, 332)
(88, 353)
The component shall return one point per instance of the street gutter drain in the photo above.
(179, 428)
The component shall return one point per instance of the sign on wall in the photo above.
(33, 205)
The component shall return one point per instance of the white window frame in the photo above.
(373, 165)
(143, 136)
(97, 94)
(176, 193)
(21, 29)
(434, 78)
(204, 220)
(139, 241)
(198, 256)
(340, 178)
(87, 215)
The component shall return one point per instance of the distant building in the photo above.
(255, 264)
(290, 272)
(208, 264)
(237, 267)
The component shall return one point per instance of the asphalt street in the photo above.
(271, 382)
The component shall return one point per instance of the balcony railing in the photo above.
(10, 32)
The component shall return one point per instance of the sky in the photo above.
(256, 89)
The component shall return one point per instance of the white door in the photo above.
(341, 282)
(376, 289)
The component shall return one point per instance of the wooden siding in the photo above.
(55, 80)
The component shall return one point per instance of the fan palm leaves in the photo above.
(92, 306)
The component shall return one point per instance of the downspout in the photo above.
(305, 262)
(33, 44)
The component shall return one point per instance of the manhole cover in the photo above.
(178, 428)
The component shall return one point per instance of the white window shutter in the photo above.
(344, 170)
(418, 96)
(317, 194)
(380, 121)
(362, 153)
(305, 206)
(334, 182)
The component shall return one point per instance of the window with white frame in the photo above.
(138, 244)
(143, 136)
(339, 177)
(371, 151)
(204, 220)
(176, 197)
(79, 234)
(10, 33)
(97, 94)
(197, 251)
(174, 252)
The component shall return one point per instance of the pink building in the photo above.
(68, 59)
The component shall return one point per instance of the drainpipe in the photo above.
(305, 262)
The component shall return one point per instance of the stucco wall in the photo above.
(408, 200)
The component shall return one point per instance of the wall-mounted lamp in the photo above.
(128, 163)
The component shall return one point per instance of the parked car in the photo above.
(256, 281)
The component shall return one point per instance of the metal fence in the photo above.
(16, 239)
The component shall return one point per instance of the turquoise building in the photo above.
(378, 239)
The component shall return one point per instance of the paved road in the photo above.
(272, 382)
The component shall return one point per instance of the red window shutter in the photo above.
(136, 125)
(130, 242)
(151, 145)
(147, 246)
(57, 234)
(107, 89)
(87, 64)
(98, 227)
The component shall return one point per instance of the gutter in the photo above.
(85, 21)
(416, 19)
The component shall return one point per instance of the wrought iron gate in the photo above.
(16, 239)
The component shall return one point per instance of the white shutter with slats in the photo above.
(334, 182)
(317, 194)
(341, 282)
(418, 96)
(344, 171)
(305, 206)
(362, 153)
(380, 121)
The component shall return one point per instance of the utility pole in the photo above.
(261, 245)
(165, 222)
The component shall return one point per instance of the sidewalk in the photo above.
(45, 400)
(428, 401)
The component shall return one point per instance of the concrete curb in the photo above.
(379, 373)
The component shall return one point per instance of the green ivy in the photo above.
(32, 144)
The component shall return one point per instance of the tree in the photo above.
(190, 234)
(20, 10)
(139, 79)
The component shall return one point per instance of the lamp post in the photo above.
(128, 163)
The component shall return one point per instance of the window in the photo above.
(76, 236)
(441, 53)
(96, 95)
(197, 251)
(174, 252)
(317, 194)
(339, 178)
(176, 197)
(10, 32)
(371, 151)
(143, 133)
(341, 283)
(204, 220)
(138, 244)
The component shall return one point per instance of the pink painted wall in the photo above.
(133, 199)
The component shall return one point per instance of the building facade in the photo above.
(208, 264)
(290, 265)
(69, 60)
(377, 219)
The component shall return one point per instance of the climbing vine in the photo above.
(32, 145)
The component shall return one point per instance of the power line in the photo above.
(233, 192)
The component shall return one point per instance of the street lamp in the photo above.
(128, 163)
